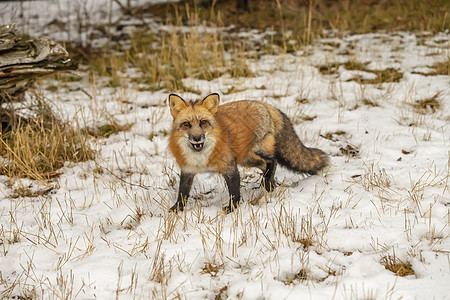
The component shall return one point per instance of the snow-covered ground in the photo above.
(96, 236)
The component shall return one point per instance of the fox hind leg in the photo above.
(266, 152)
(268, 180)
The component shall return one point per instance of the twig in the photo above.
(121, 179)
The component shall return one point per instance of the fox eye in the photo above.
(203, 122)
(186, 124)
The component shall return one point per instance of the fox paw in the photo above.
(176, 208)
(269, 187)
(230, 208)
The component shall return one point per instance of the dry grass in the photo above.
(388, 75)
(112, 65)
(212, 269)
(193, 54)
(110, 128)
(306, 20)
(385, 76)
(376, 178)
(441, 68)
(302, 275)
(165, 58)
(369, 102)
(329, 69)
(38, 147)
(397, 266)
(426, 105)
(163, 61)
(222, 294)
(333, 136)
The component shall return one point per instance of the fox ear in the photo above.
(211, 102)
(176, 104)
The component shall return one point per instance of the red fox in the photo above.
(207, 137)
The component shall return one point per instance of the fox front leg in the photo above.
(233, 182)
(186, 180)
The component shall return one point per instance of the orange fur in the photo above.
(235, 128)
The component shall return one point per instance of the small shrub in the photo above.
(427, 105)
(300, 276)
(397, 266)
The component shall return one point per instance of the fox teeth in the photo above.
(197, 147)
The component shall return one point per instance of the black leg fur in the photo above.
(233, 182)
(269, 175)
(268, 181)
(186, 180)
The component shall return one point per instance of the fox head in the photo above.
(194, 122)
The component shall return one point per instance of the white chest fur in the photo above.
(197, 161)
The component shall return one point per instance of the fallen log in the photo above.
(23, 60)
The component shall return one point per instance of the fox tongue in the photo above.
(198, 147)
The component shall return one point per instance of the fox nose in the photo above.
(197, 138)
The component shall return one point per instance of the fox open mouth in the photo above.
(197, 146)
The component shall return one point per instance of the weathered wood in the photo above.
(21, 61)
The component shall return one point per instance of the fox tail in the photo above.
(292, 154)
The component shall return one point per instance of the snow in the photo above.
(96, 236)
